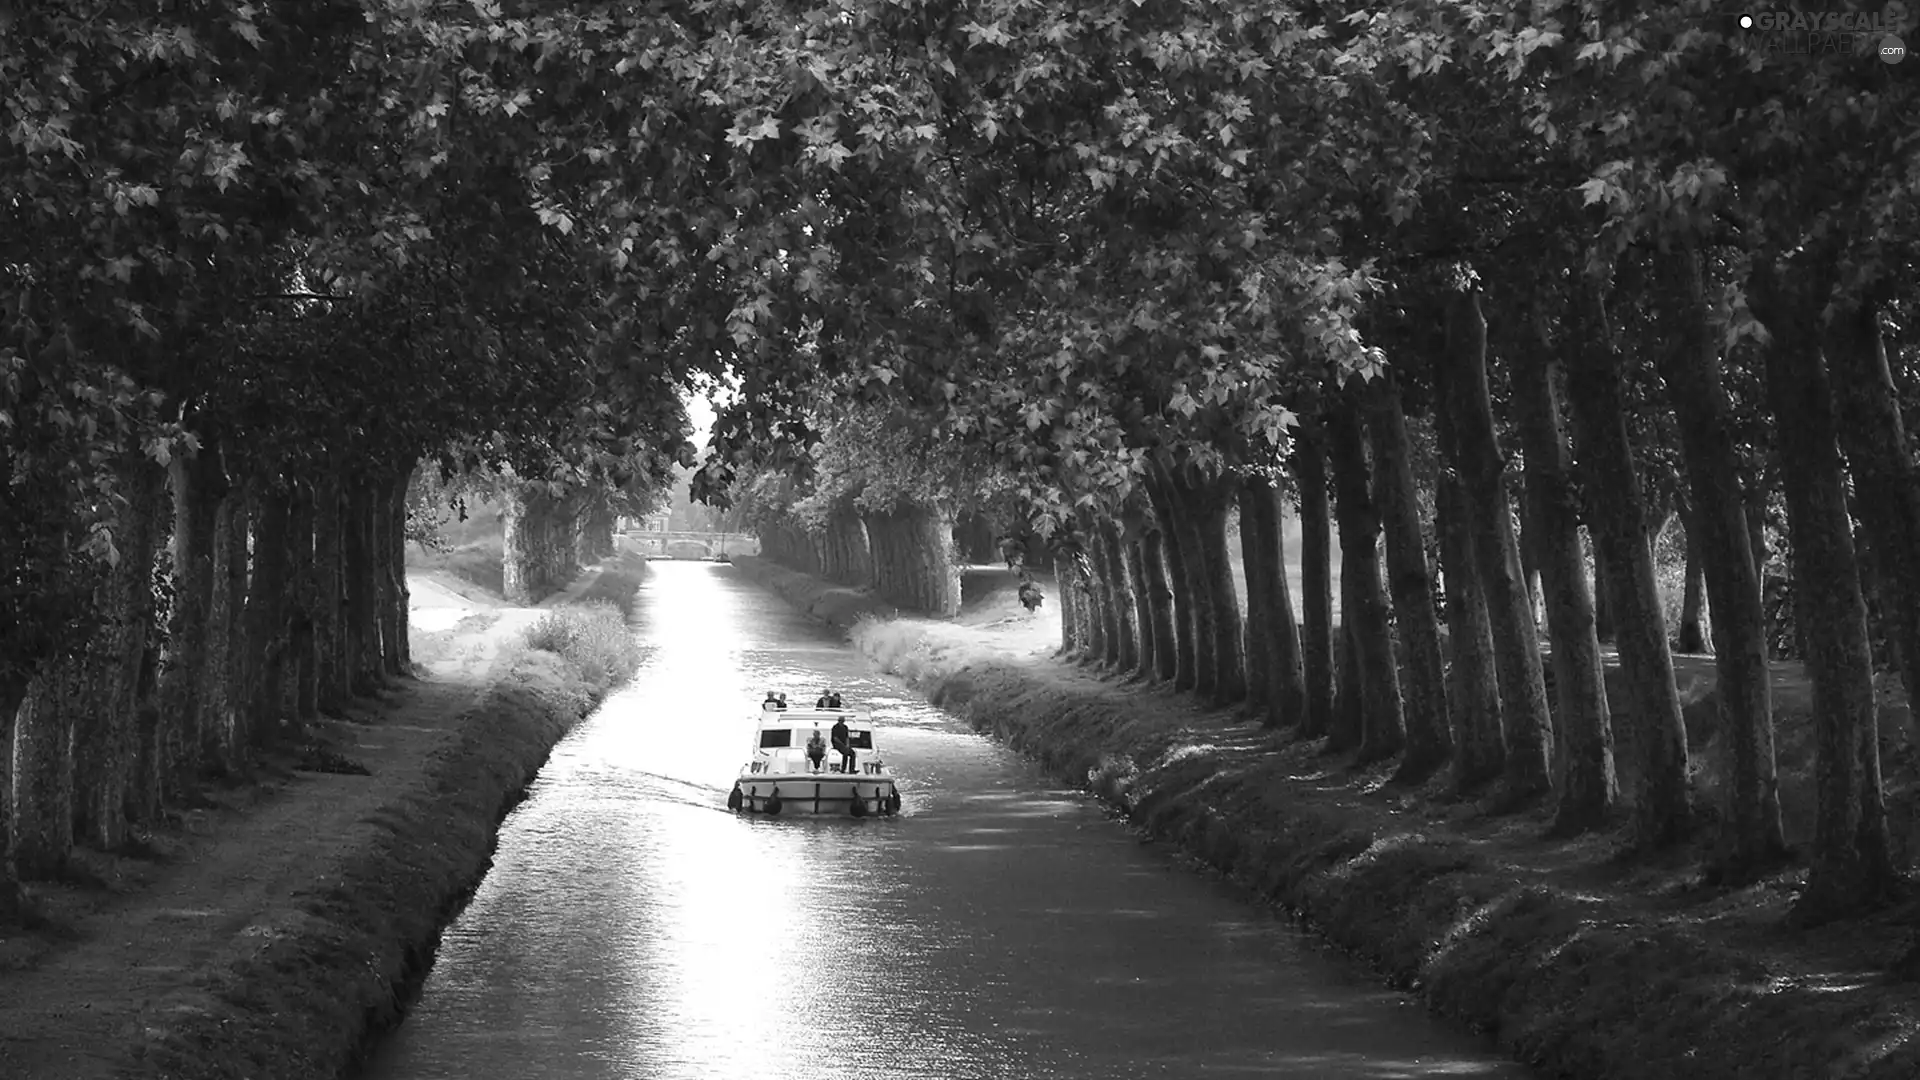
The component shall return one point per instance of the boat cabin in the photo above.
(780, 743)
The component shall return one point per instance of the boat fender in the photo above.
(734, 798)
(773, 801)
(859, 808)
(893, 801)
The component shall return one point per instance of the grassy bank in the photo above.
(1564, 971)
(835, 605)
(480, 562)
(1578, 962)
(309, 992)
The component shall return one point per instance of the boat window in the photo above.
(860, 740)
(774, 737)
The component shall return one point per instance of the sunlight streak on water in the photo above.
(631, 928)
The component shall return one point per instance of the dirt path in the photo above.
(230, 876)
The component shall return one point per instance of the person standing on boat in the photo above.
(843, 744)
(816, 749)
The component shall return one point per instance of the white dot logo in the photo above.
(1746, 22)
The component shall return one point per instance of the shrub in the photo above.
(593, 637)
(917, 650)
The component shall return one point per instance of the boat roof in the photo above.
(812, 717)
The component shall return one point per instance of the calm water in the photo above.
(1000, 927)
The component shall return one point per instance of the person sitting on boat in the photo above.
(843, 744)
(772, 702)
(826, 700)
(833, 700)
(780, 701)
(816, 749)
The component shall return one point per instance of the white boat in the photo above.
(782, 778)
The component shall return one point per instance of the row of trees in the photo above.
(1117, 254)
(877, 506)
(1175, 259)
(238, 315)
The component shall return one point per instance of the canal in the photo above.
(1000, 927)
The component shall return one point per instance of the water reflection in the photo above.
(1000, 927)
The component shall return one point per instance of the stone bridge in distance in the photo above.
(662, 544)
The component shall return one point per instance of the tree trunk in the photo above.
(1693, 634)
(1181, 555)
(1473, 695)
(1136, 641)
(1852, 863)
(41, 832)
(1132, 560)
(1228, 636)
(851, 534)
(1589, 787)
(107, 745)
(303, 660)
(1316, 569)
(1754, 509)
(881, 546)
(1429, 735)
(268, 613)
(13, 695)
(335, 676)
(1884, 474)
(1530, 556)
(1346, 726)
(1100, 623)
(239, 666)
(219, 700)
(1263, 546)
(1720, 537)
(394, 658)
(1123, 648)
(940, 570)
(1523, 692)
(1067, 585)
(1383, 731)
(1206, 622)
(1260, 616)
(1662, 812)
(1153, 567)
(515, 553)
(147, 786)
(363, 587)
(1602, 602)
(199, 483)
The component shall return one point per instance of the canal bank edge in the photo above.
(313, 996)
(1563, 983)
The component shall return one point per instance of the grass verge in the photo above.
(1567, 978)
(317, 990)
(481, 562)
(835, 605)
(313, 994)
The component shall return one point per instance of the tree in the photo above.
(1589, 787)
(1476, 458)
